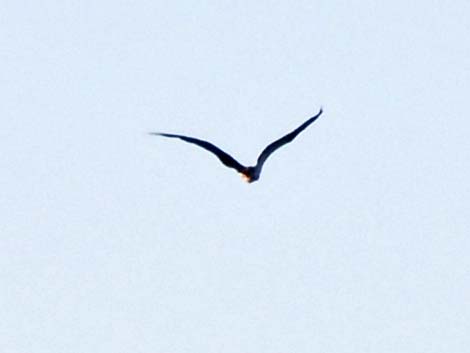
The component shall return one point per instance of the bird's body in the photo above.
(249, 174)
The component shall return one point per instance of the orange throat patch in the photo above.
(245, 178)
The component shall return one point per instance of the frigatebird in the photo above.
(249, 174)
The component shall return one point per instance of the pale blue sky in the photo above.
(356, 237)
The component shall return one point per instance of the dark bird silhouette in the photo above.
(249, 174)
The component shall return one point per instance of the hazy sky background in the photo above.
(355, 239)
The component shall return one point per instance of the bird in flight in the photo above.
(249, 174)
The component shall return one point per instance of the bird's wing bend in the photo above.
(283, 140)
(224, 157)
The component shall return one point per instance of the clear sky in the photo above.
(356, 237)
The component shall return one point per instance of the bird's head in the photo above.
(250, 174)
(245, 177)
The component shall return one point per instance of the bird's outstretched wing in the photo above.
(224, 157)
(283, 140)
